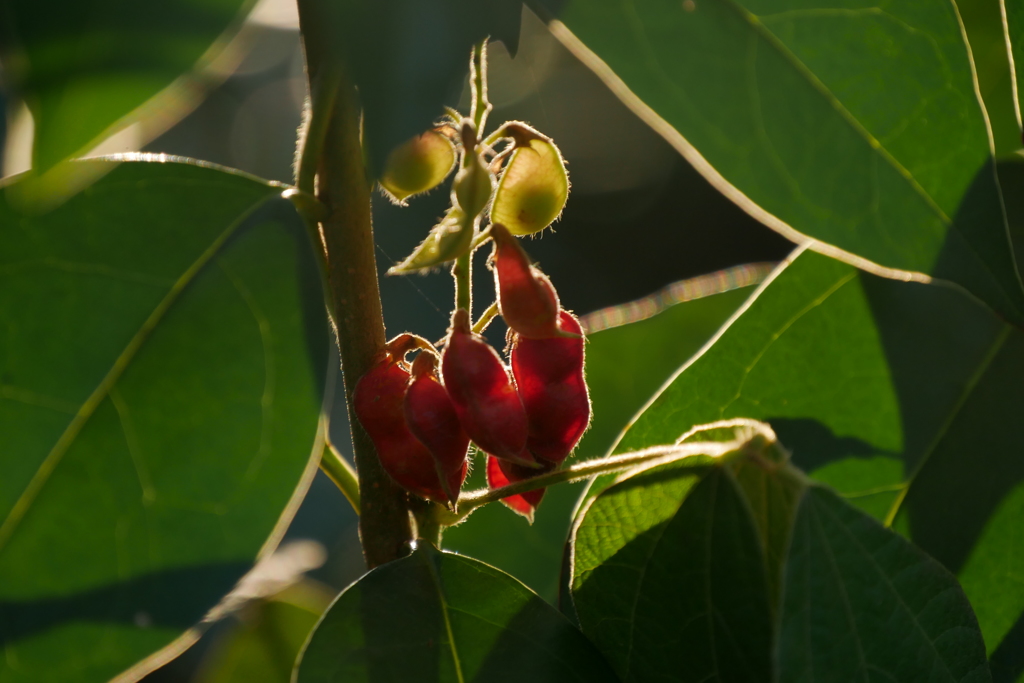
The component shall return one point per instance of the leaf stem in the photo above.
(478, 82)
(338, 469)
(589, 468)
(462, 272)
(481, 239)
(752, 439)
(485, 318)
(323, 92)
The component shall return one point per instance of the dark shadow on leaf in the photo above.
(176, 598)
(402, 625)
(1007, 661)
(938, 342)
(684, 632)
(977, 253)
(977, 464)
(1011, 179)
(565, 603)
(529, 649)
(813, 444)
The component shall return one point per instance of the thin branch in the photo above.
(323, 92)
(614, 463)
(478, 83)
(462, 272)
(338, 469)
(485, 318)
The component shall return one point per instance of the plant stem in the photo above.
(323, 92)
(429, 520)
(352, 272)
(335, 466)
(481, 239)
(346, 236)
(478, 82)
(485, 318)
(462, 272)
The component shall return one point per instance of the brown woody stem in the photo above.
(346, 237)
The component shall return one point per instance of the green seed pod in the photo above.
(418, 165)
(473, 186)
(532, 191)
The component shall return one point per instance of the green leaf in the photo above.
(668, 578)
(854, 125)
(896, 394)
(158, 409)
(82, 66)
(861, 603)
(441, 617)
(410, 58)
(773, 493)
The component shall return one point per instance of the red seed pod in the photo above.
(527, 300)
(378, 401)
(501, 473)
(549, 374)
(485, 398)
(432, 419)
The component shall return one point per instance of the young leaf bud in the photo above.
(473, 185)
(432, 419)
(501, 473)
(378, 401)
(533, 188)
(447, 241)
(549, 374)
(526, 298)
(418, 165)
(485, 399)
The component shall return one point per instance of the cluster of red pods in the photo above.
(526, 416)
